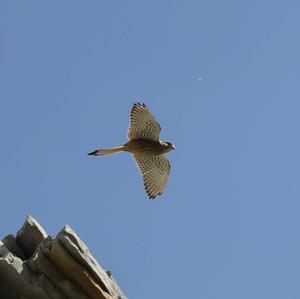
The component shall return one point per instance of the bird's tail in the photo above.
(106, 151)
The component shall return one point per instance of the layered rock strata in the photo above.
(34, 265)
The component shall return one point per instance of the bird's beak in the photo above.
(173, 146)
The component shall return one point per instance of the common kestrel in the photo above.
(146, 148)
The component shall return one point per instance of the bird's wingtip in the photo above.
(139, 104)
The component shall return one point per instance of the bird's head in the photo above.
(168, 146)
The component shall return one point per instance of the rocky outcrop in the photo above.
(34, 265)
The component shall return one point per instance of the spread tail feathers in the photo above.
(106, 151)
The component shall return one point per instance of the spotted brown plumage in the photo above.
(147, 149)
(142, 124)
(155, 170)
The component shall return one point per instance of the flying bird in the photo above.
(146, 148)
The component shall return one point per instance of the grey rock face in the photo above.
(36, 266)
(30, 236)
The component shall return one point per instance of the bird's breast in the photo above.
(144, 146)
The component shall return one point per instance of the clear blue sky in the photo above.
(221, 77)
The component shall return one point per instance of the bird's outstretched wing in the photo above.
(155, 170)
(142, 124)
